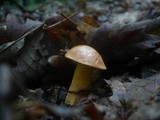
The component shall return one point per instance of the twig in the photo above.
(68, 19)
(61, 21)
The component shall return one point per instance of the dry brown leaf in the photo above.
(84, 27)
(92, 112)
(90, 21)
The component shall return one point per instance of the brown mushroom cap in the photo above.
(86, 55)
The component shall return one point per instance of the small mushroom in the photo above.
(89, 60)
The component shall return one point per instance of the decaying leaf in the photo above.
(92, 112)
(84, 27)
(123, 43)
(137, 91)
(90, 21)
(32, 59)
(147, 112)
(16, 27)
(30, 52)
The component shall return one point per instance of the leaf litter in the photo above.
(127, 37)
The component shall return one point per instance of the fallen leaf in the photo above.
(16, 28)
(84, 27)
(147, 112)
(92, 112)
(90, 21)
(137, 91)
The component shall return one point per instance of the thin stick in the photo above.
(66, 18)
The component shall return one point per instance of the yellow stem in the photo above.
(82, 79)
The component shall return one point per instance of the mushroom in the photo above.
(89, 60)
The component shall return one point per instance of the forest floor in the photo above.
(36, 75)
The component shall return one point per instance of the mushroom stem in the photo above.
(81, 81)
